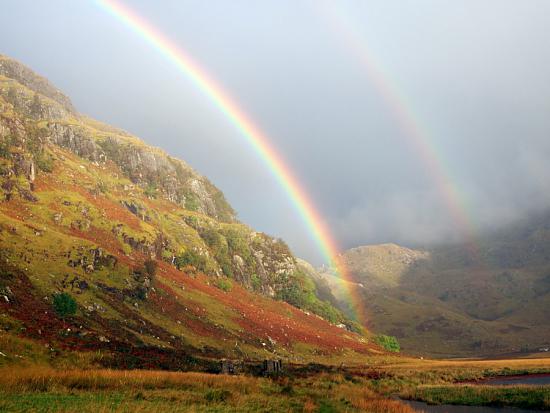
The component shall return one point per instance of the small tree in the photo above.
(64, 305)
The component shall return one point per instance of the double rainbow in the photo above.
(255, 137)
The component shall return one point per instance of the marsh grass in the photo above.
(527, 397)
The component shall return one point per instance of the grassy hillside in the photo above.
(160, 270)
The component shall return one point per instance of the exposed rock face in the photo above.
(169, 177)
(76, 139)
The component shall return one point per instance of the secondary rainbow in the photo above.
(255, 137)
(418, 137)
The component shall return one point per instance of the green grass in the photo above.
(145, 401)
(526, 397)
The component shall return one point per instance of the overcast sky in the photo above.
(474, 77)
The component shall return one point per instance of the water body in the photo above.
(445, 408)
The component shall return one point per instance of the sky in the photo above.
(404, 121)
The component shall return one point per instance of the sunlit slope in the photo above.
(150, 250)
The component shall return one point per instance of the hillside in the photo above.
(161, 270)
(450, 301)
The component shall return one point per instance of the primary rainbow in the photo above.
(255, 137)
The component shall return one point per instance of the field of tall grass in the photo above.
(48, 390)
(371, 388)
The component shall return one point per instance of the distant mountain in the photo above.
(489, 298)
(150, 251)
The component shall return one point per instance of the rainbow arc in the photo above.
(249, 130)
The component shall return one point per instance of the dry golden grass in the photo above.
(44, 379)
(520, 363)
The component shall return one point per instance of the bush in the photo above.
(390, 343)
(150, 191)
(64, 305)
(237, 242)
(256, 282)
(200, 262)
(224, 284)
(44, 162)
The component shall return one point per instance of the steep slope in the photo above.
(149, 249)
(452, 301)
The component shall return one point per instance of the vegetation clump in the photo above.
(193, 259)
(64, 305)
(299, 290)
(224, 284)
(390, 343)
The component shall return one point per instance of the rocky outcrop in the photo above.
(76, 139)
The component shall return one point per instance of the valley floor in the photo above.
(314, 388)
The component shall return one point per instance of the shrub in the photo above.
(44, 162)
(200, 262)
(238, 244)
(141, 293)
(64, 305)
(150, 191)
(390, 343)
(256, 282)
(224, 284)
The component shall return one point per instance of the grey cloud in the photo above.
(474, 75)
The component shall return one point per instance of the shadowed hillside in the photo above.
(451, 301)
